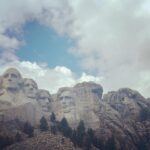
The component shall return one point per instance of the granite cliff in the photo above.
(123, 114)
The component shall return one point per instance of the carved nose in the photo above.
(9, 78)
(47, 101)
(30, 87)
(63, 102)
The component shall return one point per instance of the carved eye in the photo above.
(67, 97)
(14, 75)
(6, 75)
(26, 85)
(122, 99)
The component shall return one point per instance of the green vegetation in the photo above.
(43, 124)
(5, 141)
(28, 129)
(64, 128)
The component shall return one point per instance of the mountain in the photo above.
(119, 118)
(80, 102)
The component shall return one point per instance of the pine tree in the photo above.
(90, 134)
(98, 143)
(28, 129)
(18, 137)
(141, 145)
(43, 124)
(110, 144)
(145, 114)
(74, 137)
(88, 140)
(53, 117)
(5, 141)
(80, 133)
(65, 128)
(53, 129)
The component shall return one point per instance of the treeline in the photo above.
(81, 137)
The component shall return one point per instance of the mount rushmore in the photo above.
(21, 98)
(125, 113)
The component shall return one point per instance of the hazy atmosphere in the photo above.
(63, 42)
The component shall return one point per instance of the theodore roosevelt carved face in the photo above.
(44, 99)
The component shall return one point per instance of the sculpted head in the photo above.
(30, 88)
(12, 79)
(66, 98)
(44, 99)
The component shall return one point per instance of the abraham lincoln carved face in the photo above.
(66, 99)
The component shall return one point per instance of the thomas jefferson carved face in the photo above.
(30, 88)
(11, 79)
(44, 98)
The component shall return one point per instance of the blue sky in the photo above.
(44, 45)
(109, 41)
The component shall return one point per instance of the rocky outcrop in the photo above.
(80, 102)
(123, 115)
(18, 98)
(128, 119)
(27, 112)
(129, 103)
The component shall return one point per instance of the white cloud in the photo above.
(48, 78)
(8, 43)
(112, 37)
(112, 40)
(86, 77)
(15, 14)
(63, 70)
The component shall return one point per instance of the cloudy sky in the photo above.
(62, 42)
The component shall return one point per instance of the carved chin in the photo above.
(66, 110)
(45, 109)
(11, 86)
(31, 96)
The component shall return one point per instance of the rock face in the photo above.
(18, 98)
(127, 102)
(64, 105)
(123, 115)
(133, 118)
(80, 102)
(44, 100)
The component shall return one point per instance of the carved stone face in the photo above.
(44, 99)
(132, 106)
(66, 100)
(30, 88)
(126, 107)
(11, 79)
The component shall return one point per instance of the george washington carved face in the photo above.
(11, 79)
(30, 88)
